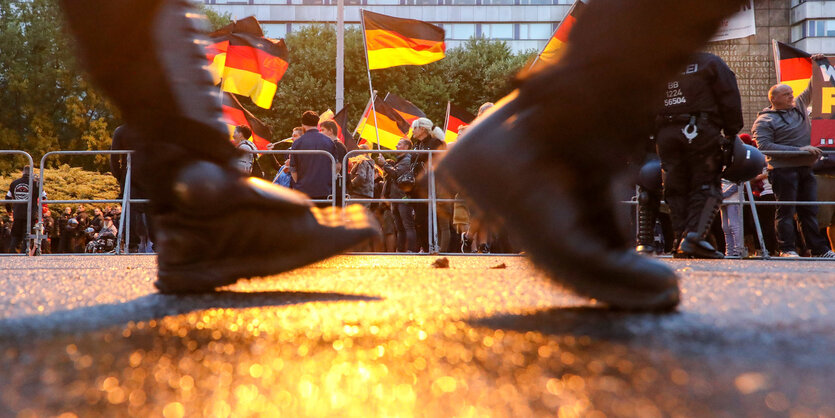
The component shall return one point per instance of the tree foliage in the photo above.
(478, 72)
(47, 105)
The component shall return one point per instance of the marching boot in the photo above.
(647, 216)
(228, 228)
(213, 225)
(695, 244)
(566, 151)
(546, 216)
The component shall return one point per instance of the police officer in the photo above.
(702, 111)
(649, 202)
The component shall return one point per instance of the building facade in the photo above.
(528, 24)
(813, 25)
(523, 24)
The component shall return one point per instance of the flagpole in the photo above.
(446, 120)
(370, 87)
(364, 120)
(776, 51)
(530, 67)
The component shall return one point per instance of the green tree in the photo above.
(47, 104)
(475, 73)
(216, 20)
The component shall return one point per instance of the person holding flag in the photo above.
(786, 126)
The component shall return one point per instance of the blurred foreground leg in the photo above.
(214, 226)
(568, 135)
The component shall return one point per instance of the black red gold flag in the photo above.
(392, 41)
(235, 115)
(341, 119)
(555, 47)
(253, 67)
(456, 117)
(392, 126)
(405, 108)
(248, 25)
(794, 66)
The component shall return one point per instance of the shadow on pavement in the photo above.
(157, 306)
(599, 322)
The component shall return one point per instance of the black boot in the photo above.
(647, 216)
(229, 228)
(213, 225)
(694, 244)
(537, 207)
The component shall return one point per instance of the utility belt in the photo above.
(691, 122)
(683, 118)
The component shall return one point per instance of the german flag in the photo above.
(341, 119)
(216, 51)
(253, 67)
(391, 125)
(555, 47)
(392, 41)
(455, 119)
(234, 115)
(794, 67)
(405, 108)
(248, 25)
(216, 55)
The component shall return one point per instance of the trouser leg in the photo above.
(808, 215)
(405, 213)
(648, 206)
(156, 82)
(676, 174)
(784, 182)
(422, 225)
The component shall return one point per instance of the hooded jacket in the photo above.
(785, 130)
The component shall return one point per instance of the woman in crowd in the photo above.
(404, 218)
(426, 136)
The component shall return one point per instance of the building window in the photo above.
(373, 2)
(274, 30)
(820, 28)
(459, 31)
(497, 30)
(486, 2)
(535, 30)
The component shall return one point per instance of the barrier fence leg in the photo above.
(434, 248)
(757, 226)
(740, 241)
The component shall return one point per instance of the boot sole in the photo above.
(204, 277)
(621, 279)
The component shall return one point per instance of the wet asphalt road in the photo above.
(393, 336)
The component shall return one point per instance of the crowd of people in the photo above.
(378, 181)
(79, 230)
(404, 227)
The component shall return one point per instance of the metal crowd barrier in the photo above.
(28, 200)
(430, 200)
(332, 198)
(123, 230)
(33, 243)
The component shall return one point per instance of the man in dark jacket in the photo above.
(20, 190)
(313, 174)
(785, 126)
(702, 113)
